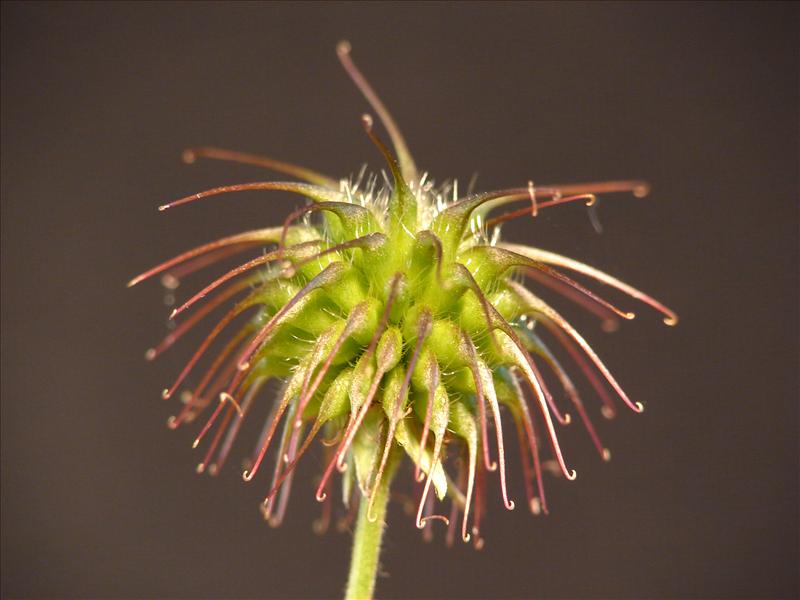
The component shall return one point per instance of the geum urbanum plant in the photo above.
(400, 325)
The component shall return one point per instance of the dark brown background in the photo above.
(99, 499)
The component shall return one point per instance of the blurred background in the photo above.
(100, 499)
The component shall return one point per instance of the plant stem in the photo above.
(367, 541)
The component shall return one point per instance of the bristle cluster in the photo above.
(397, 322)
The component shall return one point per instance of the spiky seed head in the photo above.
(399, 325)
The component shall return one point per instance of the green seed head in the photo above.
(400, 326)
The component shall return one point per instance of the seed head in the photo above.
(399, 324)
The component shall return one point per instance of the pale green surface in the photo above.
(367, 540)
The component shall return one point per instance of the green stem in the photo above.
(367, 541)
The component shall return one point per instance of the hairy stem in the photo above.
(367, 540)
